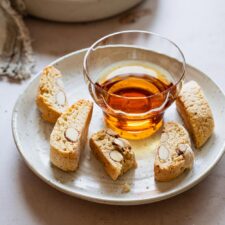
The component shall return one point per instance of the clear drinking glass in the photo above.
(134, 76)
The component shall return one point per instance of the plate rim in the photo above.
(109, 201)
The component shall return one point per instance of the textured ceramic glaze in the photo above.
(90, 181)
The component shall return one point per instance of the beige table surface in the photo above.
(198, 27)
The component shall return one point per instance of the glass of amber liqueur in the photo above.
(134, 76)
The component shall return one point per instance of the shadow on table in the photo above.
(57, 39)
(51, 207)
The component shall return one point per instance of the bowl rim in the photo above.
(85, 69)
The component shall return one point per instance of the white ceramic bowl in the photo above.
(77, 10)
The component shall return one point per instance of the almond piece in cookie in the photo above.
(69, 135)
(195, 112)
(174, 153)
(51, 98)
(114, 152)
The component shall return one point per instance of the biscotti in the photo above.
(174, 153)
(51, 98)
(114, 152)
(195, 112)
(69, 135)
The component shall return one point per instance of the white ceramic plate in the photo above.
(90, 181)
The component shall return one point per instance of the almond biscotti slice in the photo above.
(195, 112)
(69, 135)
(114, 152)
(51, 98)
(174, 153)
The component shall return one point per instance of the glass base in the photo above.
(134, 129)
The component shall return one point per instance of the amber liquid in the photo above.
(135, 93)
(134, 103)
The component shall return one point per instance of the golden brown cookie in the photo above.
(195, 112)
(174, 154)
(69, 135)
(51, 98)
(114, 152)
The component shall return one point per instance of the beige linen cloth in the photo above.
(16, 59)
